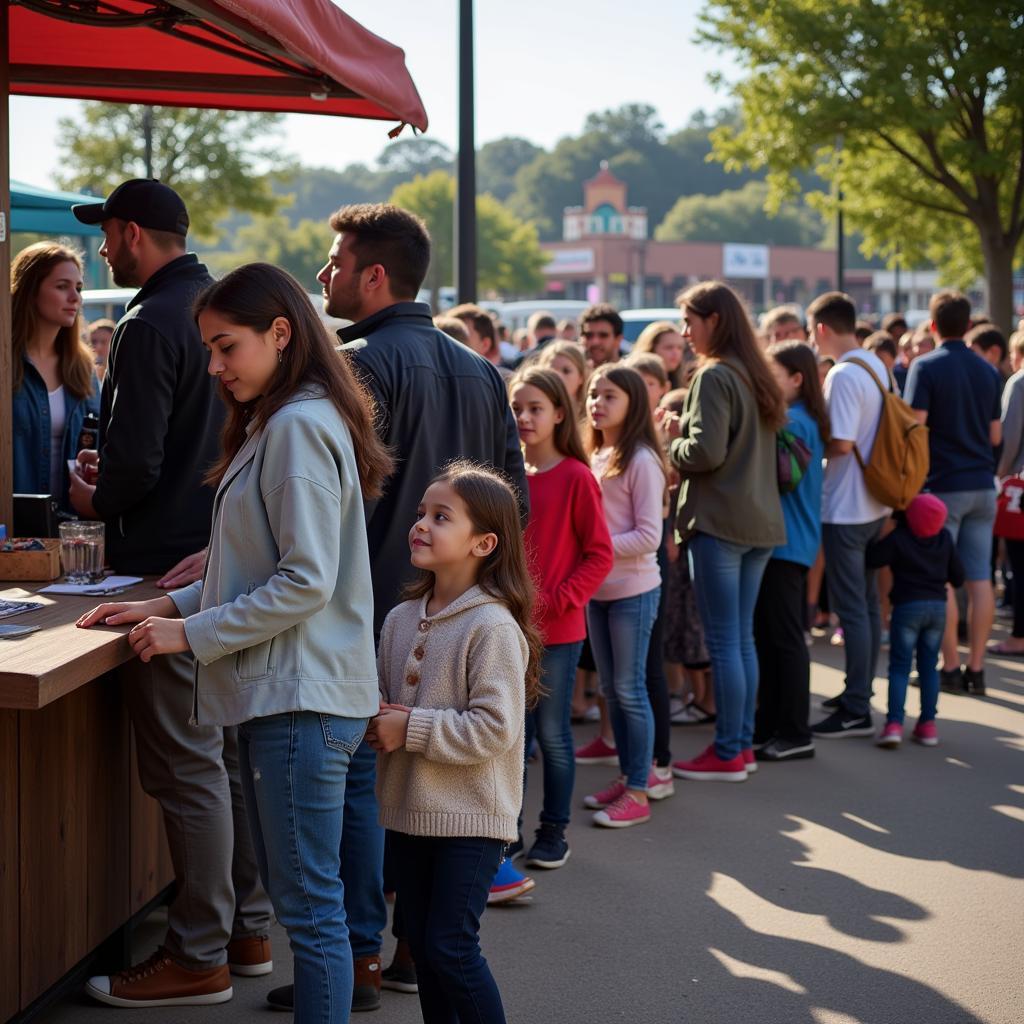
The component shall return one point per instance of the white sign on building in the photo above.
(569, 261)
(744, 261)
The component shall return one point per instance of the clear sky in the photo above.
(542, 66)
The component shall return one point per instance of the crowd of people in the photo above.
(436, 546)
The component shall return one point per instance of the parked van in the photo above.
(635, 320)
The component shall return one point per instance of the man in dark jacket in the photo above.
(436, 399)
(160, 418)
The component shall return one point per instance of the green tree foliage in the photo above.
(210, 157)
(301, 249)
(740, 216)
(657, 168)
(498, 162)
(509, 258)
(928, 102)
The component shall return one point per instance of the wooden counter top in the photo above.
(44, 666)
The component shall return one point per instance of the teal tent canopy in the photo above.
(46, 212)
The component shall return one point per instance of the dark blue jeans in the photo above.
(443, 885)
(362, 856)
(915, 627)
(550, 722)
(293, 769)
(726, 580)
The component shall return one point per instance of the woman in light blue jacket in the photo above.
(281, 624)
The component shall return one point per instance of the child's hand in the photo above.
(387, 731)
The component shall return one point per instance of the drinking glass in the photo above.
(81, 551)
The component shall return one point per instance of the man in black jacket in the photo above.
(436, 399)
(160, 418)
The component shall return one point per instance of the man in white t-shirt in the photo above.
(851, 517)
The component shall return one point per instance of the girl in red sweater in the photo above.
(570, 549)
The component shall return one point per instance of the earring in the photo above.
(280, 357)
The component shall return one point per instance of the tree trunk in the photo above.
(998, 276)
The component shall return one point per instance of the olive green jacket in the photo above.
(726, 459)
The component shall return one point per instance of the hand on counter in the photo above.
(119, 613)
(187, 571)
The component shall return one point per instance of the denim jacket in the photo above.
(31, 419)
(282, 619)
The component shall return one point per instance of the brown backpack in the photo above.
(896, 471)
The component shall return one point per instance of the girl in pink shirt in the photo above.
(627, 461)
(570, 551)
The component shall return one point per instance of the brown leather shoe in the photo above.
(250, 956)
(160, 981)
(366, 990)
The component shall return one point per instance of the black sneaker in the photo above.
(974, 681)
(833, 703)
(401, 975)
(951, 680)
(282, 998)
(841, 724)
(549, 850)
(785, 750)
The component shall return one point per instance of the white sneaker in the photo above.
(659, 783)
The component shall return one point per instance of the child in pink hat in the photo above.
(923, 560)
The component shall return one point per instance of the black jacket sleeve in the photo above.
(145, 371)
(880, 552)
(514, 468)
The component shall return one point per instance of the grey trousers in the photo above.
(853, 596)
(192, 771)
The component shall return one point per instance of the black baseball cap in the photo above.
(146, 201)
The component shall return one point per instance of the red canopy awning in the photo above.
(302, 56)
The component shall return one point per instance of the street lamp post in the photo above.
(465, 201)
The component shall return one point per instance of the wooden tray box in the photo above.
(32, 565)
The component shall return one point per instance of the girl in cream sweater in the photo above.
(458, 664)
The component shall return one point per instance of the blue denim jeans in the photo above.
(443, 885)
(550, 722)
(293, 769)
(916, 627)
(727, 579)
(853, 596)
(362, 856)
(620, 635)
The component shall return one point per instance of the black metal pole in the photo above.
(465, 202)
(147, 138)
(840, 246)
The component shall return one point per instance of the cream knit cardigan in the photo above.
(462, 671)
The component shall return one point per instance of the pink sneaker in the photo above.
(597, 752)
(749, 760)
(607, 796)
(709, 767)
(659, 783)
(891, 736)
(926, 734)
(623, 812)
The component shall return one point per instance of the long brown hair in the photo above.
(797, 357)
(549, 382)
(28, 271)
(733, 339)
(648, 342)
(493, 508)
(254, 296)
(638, 428)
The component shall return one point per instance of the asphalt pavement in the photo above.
(861, 887)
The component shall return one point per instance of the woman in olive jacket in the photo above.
(724, 448)
(281, 623)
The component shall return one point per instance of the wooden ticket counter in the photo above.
(82, 848)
